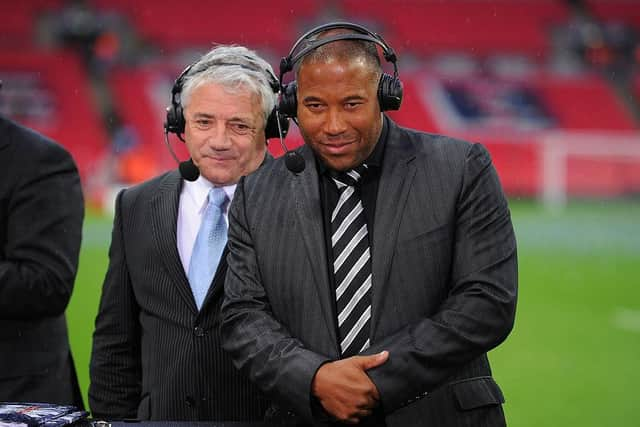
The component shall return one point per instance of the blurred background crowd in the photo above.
(551, 87)
(517, 75)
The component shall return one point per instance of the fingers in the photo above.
(358, 415)
(345, 390)
(372, 361)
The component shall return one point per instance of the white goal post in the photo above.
(558, 147)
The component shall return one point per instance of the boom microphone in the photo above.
(188, 170)
(294, 161)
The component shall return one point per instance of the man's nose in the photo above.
(335, 123)
(218, 137)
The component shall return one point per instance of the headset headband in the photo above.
(287, 63)
(273, 80)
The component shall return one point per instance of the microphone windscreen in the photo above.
(188, 170)
(294, 162)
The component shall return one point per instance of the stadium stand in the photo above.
(626, 11)
(517, 114)
(482, 27)
(198, 23)
(18, 19)
(74, 121)
(583, 102)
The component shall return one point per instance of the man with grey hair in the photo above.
(156, 346)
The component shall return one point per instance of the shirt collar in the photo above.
(198, 191)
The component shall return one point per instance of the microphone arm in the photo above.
(292, 159)
(188, 170)
(166, 141)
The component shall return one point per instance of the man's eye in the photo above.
(240, 128)
(351, 105)
(203, 123)
(314, 106)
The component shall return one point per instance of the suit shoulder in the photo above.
(428, 142)
(450, 149)
(30, 146)
(148, 189)
(274, 172)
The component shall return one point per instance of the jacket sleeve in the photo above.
(478, 312)
(257, 342)
(43, 222)
(115, 367)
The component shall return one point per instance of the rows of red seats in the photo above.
(19, 18)
(625, 11)
(481, 27)
(170, 24)
(413, 27)
(76, 123)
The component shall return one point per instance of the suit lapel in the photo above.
(217, 283)
(164, 219)
(396, 180)
(308, 209)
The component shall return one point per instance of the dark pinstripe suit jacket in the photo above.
(154, 355)
(41, 212)
(444, 283)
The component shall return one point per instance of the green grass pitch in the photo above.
(573, 358)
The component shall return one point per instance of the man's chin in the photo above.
(339, 163)
(218, 179)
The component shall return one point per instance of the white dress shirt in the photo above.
(193, 201)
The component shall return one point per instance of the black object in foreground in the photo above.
(14, 414)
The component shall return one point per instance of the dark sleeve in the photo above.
(259, 344)
(479, 310)
(115, 368)
(44, 228)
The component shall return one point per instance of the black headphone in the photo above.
(389, 87)
(276, 126)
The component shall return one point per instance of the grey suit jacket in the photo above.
(41, 213)
(444, 283)
(155, 356)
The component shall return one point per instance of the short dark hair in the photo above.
(340, 49)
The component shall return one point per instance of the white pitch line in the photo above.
(627, 319)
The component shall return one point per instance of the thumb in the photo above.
(369, 362)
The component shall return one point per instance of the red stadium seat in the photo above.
(75, 122)
(627, 11)
(19, 18)
(480, 27)
(264, 24)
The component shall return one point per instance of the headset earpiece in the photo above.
(289, 99)
(389, 87)
(174, 122)
(175, 119)
(272, 130)
(389, 92)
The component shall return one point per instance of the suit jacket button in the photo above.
(190, 401)
(198, 331)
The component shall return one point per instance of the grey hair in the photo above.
(233, 67)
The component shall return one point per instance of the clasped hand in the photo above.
(345, 390)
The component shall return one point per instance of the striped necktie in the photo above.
(351, 264)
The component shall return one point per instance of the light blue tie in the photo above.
(210, 242)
